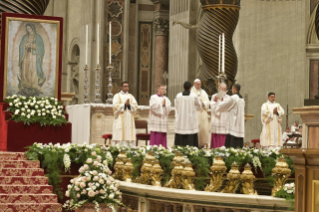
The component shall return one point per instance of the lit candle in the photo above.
(98, 43)
(223, 68)
(219, 54)
(86, 44)
(110, 45)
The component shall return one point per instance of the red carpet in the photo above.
(23, 186)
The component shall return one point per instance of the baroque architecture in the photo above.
(270, 46)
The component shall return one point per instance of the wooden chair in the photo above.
(142, 124)
(107, 137)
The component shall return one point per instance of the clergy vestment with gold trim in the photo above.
(271, 135)
(124, 124)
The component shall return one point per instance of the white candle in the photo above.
(86, 44)
(223, 64)
(110, 45)
(219, 54)
(98, 44)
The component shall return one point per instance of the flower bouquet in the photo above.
(29, 110)
(94, 185)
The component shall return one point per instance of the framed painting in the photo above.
(31, 56)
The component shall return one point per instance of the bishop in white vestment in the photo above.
(202, 116)
(186, 123)
(271, 118)
(124, 109)
(218, 119)
(235, 126)
(160, 106)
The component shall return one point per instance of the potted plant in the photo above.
(93, 188)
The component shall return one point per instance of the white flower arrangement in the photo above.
(289, 188)
(93, 185)
(46, 111)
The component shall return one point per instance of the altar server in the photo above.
(186, 123)
(235, 126)
(124, 108)
(202, 116)
(271, 118)
(218, 120)
(160, 106)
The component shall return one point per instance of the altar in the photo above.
(91, 121)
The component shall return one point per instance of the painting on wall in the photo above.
(31, 55)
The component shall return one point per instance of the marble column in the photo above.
(161, 26)
(161, 51)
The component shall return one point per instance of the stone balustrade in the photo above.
(146, 198)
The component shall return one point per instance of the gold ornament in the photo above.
(188, 175)
(118, 167)
(218, 170)
(233, 178)
(122, 156)
(156, 174)
(248, 178)
(128, 169)
(145, 176)
(281, 173)
(176, 178)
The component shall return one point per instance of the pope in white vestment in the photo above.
(124, 109)
(218, 120)
(186, 123)
(202, 116)
(160, 106)
(235, 126)
(271, 118)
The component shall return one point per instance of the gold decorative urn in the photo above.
(281, 172)
(128, 170)
(233, 178)
(248, 178)
(156, 174)
(217, 175)
(188, 175)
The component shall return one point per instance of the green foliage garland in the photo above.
(30, 110)
(55, 158)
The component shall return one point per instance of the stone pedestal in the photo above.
(306, 161)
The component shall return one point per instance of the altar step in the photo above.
(21, 172)
(34, 207)
(23, 186)
(19, 164)
(28, 198)
(16, 180)
(4, 156)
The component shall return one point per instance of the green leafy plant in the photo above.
(288, 193)
(29, 110)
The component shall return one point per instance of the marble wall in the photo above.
(270, 41)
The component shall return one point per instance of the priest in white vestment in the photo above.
(160, 106)
(218, 120)
(186, 123)
(124, 109)
(271, 118)
(202, 116)
(235, 126)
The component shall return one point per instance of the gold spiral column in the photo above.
(34, 7)
(220, 16)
